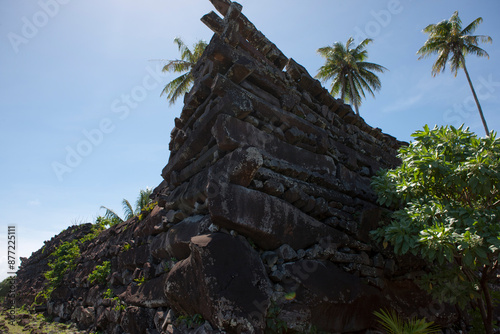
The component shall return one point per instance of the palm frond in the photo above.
(110, 214)
(389, 321)
(475, 50)
(393, 324)
(143, 199)
(198, 50)
(185, 52)
(372, 66)
(178, 87)
(177, 66)
(472, 26)
(349, 42)
(127, 209)
(361, 46)
(325, 51)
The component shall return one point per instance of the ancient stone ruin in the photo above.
(263, 217)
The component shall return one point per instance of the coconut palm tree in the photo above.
(142, 202)
(351, 74)
(182, 84)
(451, 43)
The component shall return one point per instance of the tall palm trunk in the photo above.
(475, 98)
(353, 101)
(342, 95)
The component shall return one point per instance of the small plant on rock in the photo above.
(100, 273)
(393, 324)
(274, 325)
(109, 294)
(140, 281)
(126, 246)
(147, 210)
(190, 321)
(63, 259)
(119, 305)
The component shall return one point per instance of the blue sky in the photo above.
(82, 123)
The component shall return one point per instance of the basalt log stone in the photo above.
(338, 301)
(264, 214)
(269, 221)
(227, 283)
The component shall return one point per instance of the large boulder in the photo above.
(268, 220)
(175, 242)
(332, 299)
(223, 280)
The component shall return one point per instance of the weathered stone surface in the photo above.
(149, 294)
(270, 221)
(232, 133)
(153, 224)
(230, 291)
(238, 167)
(134, 257)
(137, 320)
(84, 317)
(336, 301)
(179, 236)
(259, 157)
(286, 252)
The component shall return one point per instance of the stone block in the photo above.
(267, 220)
(229, 291)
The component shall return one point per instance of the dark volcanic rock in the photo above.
(278, 172)
(175, 242)
(334, 300)
(149, 294)
(269, 221)
(223, 280)
(137, 320)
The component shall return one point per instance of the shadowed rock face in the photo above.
(226, 280)
(263, 215)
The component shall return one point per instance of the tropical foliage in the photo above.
(349, 71)
(100, 273)
(5, 287)
(452, 43)
(182, 84)
(393, 324)
(447, 199)
(143, 202)
(65, 258)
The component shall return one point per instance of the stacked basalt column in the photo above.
(267, 158)
(263, 216)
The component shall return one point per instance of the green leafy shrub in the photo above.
(100, 273)
(63, 259)
(119, 305)
(147, 210)
(447, 194)
(100, 225)
(109, 294)
(5, 288)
